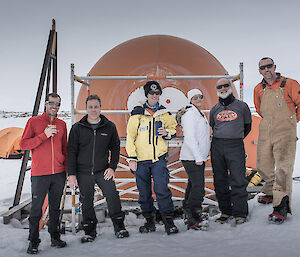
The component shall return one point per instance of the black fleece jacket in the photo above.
(88, 149)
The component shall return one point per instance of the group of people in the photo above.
(91, 154)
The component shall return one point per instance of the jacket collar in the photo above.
(227, 101)
(44, 116)
(195, 110)
(84, 122)
(264, 82)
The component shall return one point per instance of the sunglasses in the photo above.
(151, 92)
(220, 86)
(196, 97)
(269, 66)
(57, 104)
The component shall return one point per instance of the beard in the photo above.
(224, 96)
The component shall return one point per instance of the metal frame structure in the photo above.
(49, 69)
(177, 142)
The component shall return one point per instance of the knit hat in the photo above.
(151, 85)
(192, 93)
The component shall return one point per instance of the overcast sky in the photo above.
(233, 31)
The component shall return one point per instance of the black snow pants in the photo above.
(53, 185)
(86, 184)
(229, 168)
(194, 192)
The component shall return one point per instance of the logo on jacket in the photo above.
(226, 115)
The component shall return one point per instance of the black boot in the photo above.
(149, 226)
(280, 212)
(56, 241)
(119, 227)
(33, 247)
(191, 222)
(169, 223)
(89, 228)
(193, 218)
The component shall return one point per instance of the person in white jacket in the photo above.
(194, 153)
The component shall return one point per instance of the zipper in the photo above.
(94, 146)
(52, 149)
(153, 138)
(149, 132)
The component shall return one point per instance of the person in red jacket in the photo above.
(46, 136)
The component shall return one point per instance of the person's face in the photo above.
(153, 97)
(223, 87)
(197, 100)
(93, 109)
(267, 69)
(52, 106)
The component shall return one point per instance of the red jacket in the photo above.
(49, 155)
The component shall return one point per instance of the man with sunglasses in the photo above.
(230, 120)
(149, 126)
(46, 136)
(277, 101)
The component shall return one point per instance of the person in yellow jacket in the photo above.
(149, 126)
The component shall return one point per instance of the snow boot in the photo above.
(149, 226)
(56, 241)
(89, 228)
(224, 218)
(88, 238)
(194, 219)
(279, 214)
(119, 227)
(33, 247)
(240, 220)
(265, 199)
(169, 223)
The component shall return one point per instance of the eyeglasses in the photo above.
(57, 104)
(269, 66)
(196, 97)
(220, 86)
(151, 92)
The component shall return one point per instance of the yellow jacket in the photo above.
(142, 143)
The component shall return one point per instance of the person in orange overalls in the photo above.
(277, 101)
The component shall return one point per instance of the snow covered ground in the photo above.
(255, 238)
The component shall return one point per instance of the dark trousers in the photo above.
(228, 163)
(86, 184)
(53, 185)
(159, 172)
(194, 192)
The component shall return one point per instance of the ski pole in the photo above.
(73, 212)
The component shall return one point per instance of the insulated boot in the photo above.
(280, 212)
(89, 228)
(240, 220)
(119, 227)
(224, 218)
(169, 223)
(33, 247)
(56, 241)
(149, 226)
(265, 199)
(191, 221)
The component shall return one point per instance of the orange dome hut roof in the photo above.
(152, 55)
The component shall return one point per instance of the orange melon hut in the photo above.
(159, 56)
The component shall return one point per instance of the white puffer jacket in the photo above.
(196, 132)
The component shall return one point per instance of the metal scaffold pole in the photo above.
(72, 95)
(241, 81)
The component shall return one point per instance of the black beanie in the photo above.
(151, 85)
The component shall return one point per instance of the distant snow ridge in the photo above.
(7, 114)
